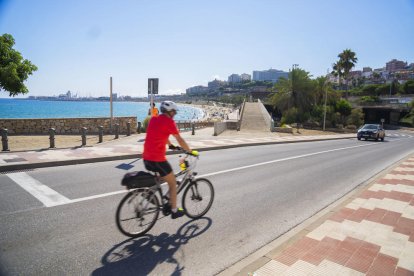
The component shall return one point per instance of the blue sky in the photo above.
(78, 44)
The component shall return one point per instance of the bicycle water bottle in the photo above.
(183, 163)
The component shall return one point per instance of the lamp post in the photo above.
(294, 66)
(324, 110)
(110, 100)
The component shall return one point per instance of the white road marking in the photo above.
(43, 193)
(97, 196)
(51, 198)
(283, 159)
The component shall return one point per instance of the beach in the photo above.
(214, 112)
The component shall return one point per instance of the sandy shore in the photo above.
(214, 112)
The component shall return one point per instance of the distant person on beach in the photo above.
(158, 132)
(153, 112)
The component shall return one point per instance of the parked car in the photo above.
(371, 131)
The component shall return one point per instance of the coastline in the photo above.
(212, 112)
(203, 111)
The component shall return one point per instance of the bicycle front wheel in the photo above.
(198, 198)
(137, 213)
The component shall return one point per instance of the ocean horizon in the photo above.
(42, 109)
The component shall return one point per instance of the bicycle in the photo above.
(138, 211)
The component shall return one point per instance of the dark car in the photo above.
(371, 131)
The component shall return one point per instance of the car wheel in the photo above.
(366, 139)
(359, 138)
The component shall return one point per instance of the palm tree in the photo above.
(338, 71)
(294, 92)
(347, 60)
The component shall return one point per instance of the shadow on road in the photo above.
(127, 166)
(141, 255)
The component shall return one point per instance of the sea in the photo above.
(33, 109)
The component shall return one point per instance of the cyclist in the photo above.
(158, 131)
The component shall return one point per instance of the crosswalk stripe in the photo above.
(41, 192)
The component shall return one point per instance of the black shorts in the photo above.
(163, 168)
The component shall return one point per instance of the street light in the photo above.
(326, 96)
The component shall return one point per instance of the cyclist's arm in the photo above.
(181, 142)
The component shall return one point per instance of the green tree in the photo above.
(344, 108)
(338, 71)
(296, 91)
(356, 117)
(14, 70)
(408, 87)
(382, 89)
(321, 86)
(347, 61)
(369, 89)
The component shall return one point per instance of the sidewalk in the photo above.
(370, 232)
(131, 147)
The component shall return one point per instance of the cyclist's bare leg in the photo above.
(172, 185)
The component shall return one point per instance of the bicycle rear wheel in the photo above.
(137, 213)
(198, 198)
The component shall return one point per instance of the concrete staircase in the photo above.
(253, 119)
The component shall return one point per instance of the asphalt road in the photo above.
(261, 192)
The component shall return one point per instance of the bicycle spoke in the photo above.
(137, 213)
(198, 198)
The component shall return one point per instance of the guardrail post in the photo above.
(139, 128)
(4, 139)
(83, 130)
(52, 133)
(128, 128)
(100, 130)
(192, 128)
(116, 131)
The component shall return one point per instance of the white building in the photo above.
(246, 77)
(234, 78)
(272, 75)
(196, 90)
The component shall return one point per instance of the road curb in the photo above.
(28, 166)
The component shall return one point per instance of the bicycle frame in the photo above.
(188, 176)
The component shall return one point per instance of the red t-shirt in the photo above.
(158, 131)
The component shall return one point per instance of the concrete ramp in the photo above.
(253, 119)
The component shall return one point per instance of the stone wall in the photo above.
(220, 127)
(66, 125)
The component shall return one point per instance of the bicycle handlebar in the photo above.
(178, 148)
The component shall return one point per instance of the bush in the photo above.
(343, 107)
(356, 118)
(408, 120)
(370, 99)
(290, 116)
(369, 89)
(145, 123)
(408, 87)
(383, 89)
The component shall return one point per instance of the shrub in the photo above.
(290, 116)
(343, 107)
(370, 99)
(356, 118)
(145, 123)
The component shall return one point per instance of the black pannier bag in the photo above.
(138, 180)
